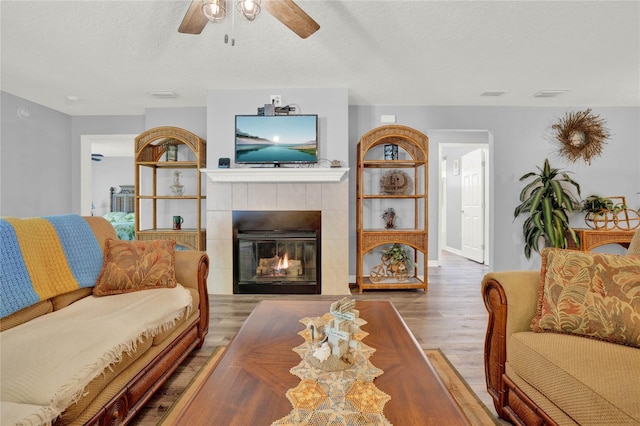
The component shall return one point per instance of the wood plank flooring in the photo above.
(450, 316)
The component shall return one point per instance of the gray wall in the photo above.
(40, 156)
(331, 105)
(521, 141)
(35, 167)
(95, 125)
(193, 119)
(107, 173)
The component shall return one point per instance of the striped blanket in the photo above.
(43, 257)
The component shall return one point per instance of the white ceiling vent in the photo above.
(549, 93)
(493, 93)
(163, 94)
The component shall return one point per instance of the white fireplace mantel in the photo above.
(277, 174)
(321, 189)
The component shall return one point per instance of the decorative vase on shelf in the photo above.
(389, 217)
(176, 188)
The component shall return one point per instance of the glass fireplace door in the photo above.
(277, 262)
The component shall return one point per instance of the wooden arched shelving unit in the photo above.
(373, 198)
(152, 165)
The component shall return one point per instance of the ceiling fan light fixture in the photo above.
(214, 10)
(249, 8)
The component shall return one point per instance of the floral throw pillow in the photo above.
(136, 265)
(590, 294)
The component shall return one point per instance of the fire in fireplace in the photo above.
(276, 252)
(278, 267)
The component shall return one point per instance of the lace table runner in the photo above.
(345, 397)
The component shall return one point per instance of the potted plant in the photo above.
(595, 204)
(602, 212)
(548, 206)
(397, 255)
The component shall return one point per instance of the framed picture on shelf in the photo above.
(172, 153)
(391, 152)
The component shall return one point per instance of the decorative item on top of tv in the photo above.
(391, 152)
(176, 188)
(396, 262)
(607, 213)
(389, 217)
(396, 182)
(581, 135)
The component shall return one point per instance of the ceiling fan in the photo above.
(285, 11)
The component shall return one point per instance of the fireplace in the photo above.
(276, 252)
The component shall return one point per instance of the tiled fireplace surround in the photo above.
(272, 190)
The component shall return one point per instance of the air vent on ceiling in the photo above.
(163, 94)
(549, 93)
(493, 93)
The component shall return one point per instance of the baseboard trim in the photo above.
(453, 250)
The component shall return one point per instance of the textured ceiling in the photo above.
(111, 53)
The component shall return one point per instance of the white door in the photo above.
(472, 172)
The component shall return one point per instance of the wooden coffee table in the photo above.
(248, 385)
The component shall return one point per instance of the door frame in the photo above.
(450, 134)
(86, 178)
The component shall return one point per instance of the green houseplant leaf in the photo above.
(548, 204)
(398, 254)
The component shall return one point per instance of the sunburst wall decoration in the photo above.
(581, 135)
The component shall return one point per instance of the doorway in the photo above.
(118, 152)
(453, 146)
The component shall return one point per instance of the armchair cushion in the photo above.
(592, 382)
(590, 294)
(634, 246)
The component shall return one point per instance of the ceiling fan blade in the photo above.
(194, 20)
(290, 14)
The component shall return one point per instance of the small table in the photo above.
(592, 238)
(248, 385)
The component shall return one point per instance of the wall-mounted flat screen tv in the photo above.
(277, 139)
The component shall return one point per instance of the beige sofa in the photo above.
(116, 394)
(549, 378)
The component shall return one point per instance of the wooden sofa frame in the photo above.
(131, 398)
(511, 403)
